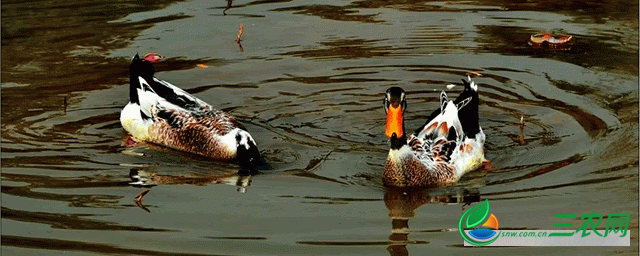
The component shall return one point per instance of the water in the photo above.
(308, 82)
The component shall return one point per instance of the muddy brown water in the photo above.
(308, 84)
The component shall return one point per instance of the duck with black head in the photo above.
(162, 113)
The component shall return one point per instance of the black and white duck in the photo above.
(163, 114)
(448, 145)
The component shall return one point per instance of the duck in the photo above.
(448, 145)
(163, 114)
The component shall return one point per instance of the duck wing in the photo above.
(437, 141)
(159, 99)
(467, 113)
(148, 91)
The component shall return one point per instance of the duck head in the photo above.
(141, 67)
(394, 106)
(247, 151)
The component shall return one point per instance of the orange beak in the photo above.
(394, 121)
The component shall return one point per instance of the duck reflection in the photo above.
(144, 179)
(402, 205)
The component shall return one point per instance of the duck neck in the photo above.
(397, 143)
(134, 84)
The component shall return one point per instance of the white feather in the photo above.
(473, 84)
(229, 140)
(450, 116)
(133, 122)
(181, 92)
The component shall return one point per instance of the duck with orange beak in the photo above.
(448, 145)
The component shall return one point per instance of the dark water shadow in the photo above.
(331, 12)
(230, 5)
(70, 221)
(84, 200)
(347, 48)
(68, 245)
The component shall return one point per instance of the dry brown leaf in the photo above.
(474, 74)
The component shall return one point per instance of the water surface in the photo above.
(308, 81)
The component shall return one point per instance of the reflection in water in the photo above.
(145, 179)
(402, 205)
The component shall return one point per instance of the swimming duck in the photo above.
(164, 114)
(448, 145)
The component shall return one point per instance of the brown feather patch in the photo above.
(199, 132)
(444, 129)
(431, 128)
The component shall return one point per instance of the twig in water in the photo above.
(521, 136)
(141, 195)
(239, 38)
(139, 200)
(229, 2)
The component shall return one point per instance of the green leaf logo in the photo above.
(477, 214)
(473, 217)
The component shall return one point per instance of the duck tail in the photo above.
(467, 104)
(470, 84)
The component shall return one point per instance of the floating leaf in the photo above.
(547, 41)
(201, 65)
(153, 57)
(478, 213)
